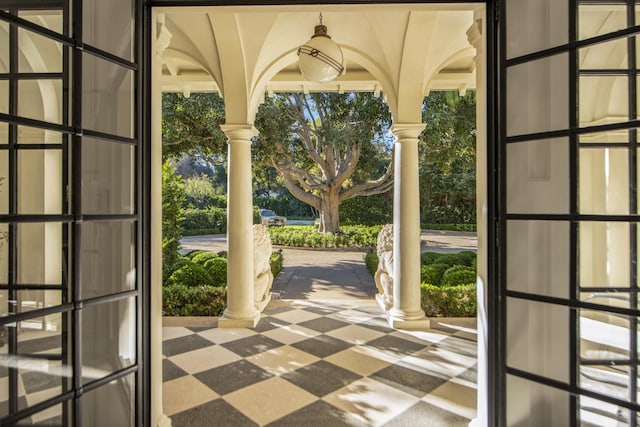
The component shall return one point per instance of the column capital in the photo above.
(404, 131)
(239, 131)
(474, 34)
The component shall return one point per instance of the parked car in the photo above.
(270, 218)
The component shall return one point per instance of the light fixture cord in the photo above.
(320, 18)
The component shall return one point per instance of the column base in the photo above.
(238, 322)
(408, 321)
(261, 305)
(164, 421)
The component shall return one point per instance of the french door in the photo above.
(72, 281)
(568, 212)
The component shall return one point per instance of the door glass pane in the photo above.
(40, 181)
(107, 91)
(531, 404)
(604, 181)
(538, 176)
(595, 20)
(4, 182)
(108, 170)
(604, 254)
(108, 339)
(4, 96)
(537, 96)
(4, 131)
(603, 100)
(50, 19)
(49, 417)
(29, 135)
(40, 100)
(538, 261)
(121, 408)
(40, 253)
(538, 338)
(38, 54)
(597, 413)
(109, 26)
(108, 256)
(4, 47)
(609, 55)
(614, 136)
(534, 26)
(603, 335)
(36, 299)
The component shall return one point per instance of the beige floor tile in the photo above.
(170, 332)
(355, 334)
(296, 316)
(204, 358)
(370, 401)
(41, 396)
(281, 360)
(455, 398)
(357, 360)
(269, 400)
(291, 334)
(223, 335)
(184, 393)
(420, 337)
(436, 360)
(353, 316)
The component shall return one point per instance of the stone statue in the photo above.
(384, 273)
(262, 276)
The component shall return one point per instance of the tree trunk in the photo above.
(329, 213)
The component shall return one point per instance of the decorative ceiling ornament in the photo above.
(320, 59)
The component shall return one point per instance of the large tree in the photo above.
(328, 147)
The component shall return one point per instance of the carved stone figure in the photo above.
(262, 276)
(384, 273)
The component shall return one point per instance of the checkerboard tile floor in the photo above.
(310, 363)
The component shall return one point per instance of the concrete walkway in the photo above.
(332, 274)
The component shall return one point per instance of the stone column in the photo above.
(159, 44)
(240, 311)
(406, 312)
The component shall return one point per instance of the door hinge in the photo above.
(496, 11)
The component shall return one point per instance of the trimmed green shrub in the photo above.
(211, 218)
(449, 301)
(218, 271)
(180, 300)
(449, 227)
(189, 274)
(308, 236)
(467, 258)
(202, 257)
(458, 275)
(371, 261)
(276, 263)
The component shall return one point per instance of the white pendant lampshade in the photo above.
(320, 59)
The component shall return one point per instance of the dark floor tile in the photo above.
(38, 381)
(322, 345)
(395, 345)
(408, 380)
(425, 415)
(470, 374)
(4, 406)
(318, 414)
(51, 344)
(321, 378)
(324, 324)
(459, 345)
(214, 413)
(270, 311)
(197, 329)
(234, 376)
(377, 324)
(183, 344)
(171, 371)
(370, 309)
(51, 422)
(251, 345)
(267, 323)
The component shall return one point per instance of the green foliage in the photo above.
(200, 193)
(191, 125)
(371, 262)
(276, 263)
(217, 268)
(214, 219)
(432, 273)
(308, 236)
(372, 210)
(190, 274)
(180, 300)
(449, 227)
(284, 205)
(447, 158)
(458, 275)
(202, 257)
(172, 217)
(449, 301)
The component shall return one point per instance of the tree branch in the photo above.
(369, 188)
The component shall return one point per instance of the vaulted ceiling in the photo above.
(402, 51)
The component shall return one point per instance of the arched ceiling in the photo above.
(402, 51)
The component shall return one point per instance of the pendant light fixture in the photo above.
(320, 59)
